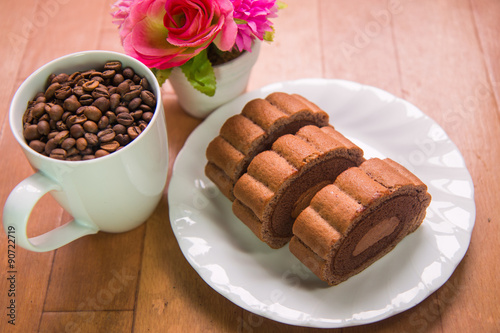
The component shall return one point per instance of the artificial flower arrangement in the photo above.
(194, 35)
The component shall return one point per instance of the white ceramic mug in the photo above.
(114, 193)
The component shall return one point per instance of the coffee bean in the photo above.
(61, 78)
(43, 127)
(49, 146)
(31, 132)
(68, 143)
(90, 126)
(61, 126)
(136, 79)
(37, 145)
(123, 88)
(81, 144)
(61, 136)
(121, 109)
(78, 91)
(101, 153)
(77, 157)
(109, 73)
(71, 103)
(72, 151)
(149, 98)
(145, 108)
(135, 103)
(52, 135)
(75, 119)
(147, 116)
(142, 125)
(123, 139)
(75, 76)
(87, 151)
(111, 116)
(95, 75)
(86, 99)
(137, 115)
(91, 138)
(90, 85)
(49, 93)
(117, 79)
(144, 83)
(63, 92)
(38, 110)
(77, 131)
(106, 135)
(100, 92)
(110, 146)
(56, 112)
(133, 132)
(58, 153)
(114, 65)
(128, 73)
(120, 129)
(103, 122)
(125, 119)
(114, 101)
(89, 114)
(92, 113)
(102, 103)
(131, 95)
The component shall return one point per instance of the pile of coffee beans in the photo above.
(89, 114)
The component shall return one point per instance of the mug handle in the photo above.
(17, 211)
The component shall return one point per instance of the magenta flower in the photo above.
(253, 20)
(167, 33)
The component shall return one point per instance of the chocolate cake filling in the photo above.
(297, 192)
(397, 212)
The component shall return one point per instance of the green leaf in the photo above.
(269, 35)
(281, 5)
(161, 74)
(240, 21)
(200, 73)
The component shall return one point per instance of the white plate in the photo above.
(273, 283)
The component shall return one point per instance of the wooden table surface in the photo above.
(441, 55)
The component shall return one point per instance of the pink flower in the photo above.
(254, 15)
(122, 11)
(167, 33)
(196, 23)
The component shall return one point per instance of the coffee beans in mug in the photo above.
(89, 114)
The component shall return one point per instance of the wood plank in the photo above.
(357, 42)
(17, 23)
(169, 287)
(31, 269)
(486, 14)
(74, 31)
(96, 272)
(87, 321)
(109, 38)
(297, 22)
(94, 281)
(443, 73)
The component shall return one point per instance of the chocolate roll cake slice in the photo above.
(280, 182)
(254, 130)
(358, 219)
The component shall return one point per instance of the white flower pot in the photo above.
(232, 79)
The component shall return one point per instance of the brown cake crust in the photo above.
(280, 182)
(358, 219)
(254, 130)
